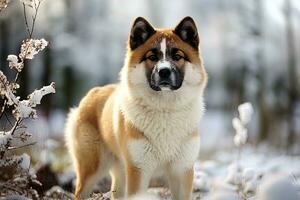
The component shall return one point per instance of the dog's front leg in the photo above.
(137, 180)
(181, 184)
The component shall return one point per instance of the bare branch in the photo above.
(34, 18)
(26, 21)
(17, 123)
(7, 118)
(26, 145)
(3, 108)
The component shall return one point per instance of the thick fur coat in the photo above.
(146, 123)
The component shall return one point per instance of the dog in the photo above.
(146, 123)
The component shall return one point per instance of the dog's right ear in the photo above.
(140, 32)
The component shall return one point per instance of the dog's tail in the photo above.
(70, 129)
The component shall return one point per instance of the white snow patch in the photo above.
(25, 163)
(245, 112)
(278, 188)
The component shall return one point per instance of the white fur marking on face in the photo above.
(137, 74)
(163, 64)
(163, 47)
(192, 74)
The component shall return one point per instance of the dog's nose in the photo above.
(164, 72)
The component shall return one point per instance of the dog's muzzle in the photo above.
(166, 78)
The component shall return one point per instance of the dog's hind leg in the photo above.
(86, 148)
(88, 162)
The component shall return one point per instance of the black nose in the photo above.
(164, 72)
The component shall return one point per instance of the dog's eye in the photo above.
(177, 57)
(153, 58)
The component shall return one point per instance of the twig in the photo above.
(15, 126)
(21, 127)
(26, 145)
(25, 19)
(3, 108)
(34, 17)
(5, 185)
(17, 76)
(8, 143)
(8, 119)
(295, 179)
(30, 32)
(28, 29)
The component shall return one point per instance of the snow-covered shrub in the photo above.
(239, 123)
(250, 176)
(245, 180)
(3, 4)
(15, 176)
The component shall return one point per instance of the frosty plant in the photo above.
(3, 4)
(15, 178)
(245, 111)
(244, 180)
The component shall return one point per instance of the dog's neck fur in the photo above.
(170, 112)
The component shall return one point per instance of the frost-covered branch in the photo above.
(29, 48)
(3, 4)
(25, 108)
(15, 178)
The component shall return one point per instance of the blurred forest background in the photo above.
(251, 51)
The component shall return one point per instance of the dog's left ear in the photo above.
(140, 32)
(187, 31)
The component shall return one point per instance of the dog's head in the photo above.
(164, 62)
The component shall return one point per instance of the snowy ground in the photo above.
(258, 171)
(255, 167)
(261, 171)
(228, 167)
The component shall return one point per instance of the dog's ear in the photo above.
(187, 31)
(140, 32)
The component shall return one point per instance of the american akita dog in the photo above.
(146, 123)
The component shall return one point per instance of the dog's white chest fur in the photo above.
(167, 134)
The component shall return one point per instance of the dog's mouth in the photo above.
(165, 83)
(162, 82)
(162, 86)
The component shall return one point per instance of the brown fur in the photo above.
(154, 41)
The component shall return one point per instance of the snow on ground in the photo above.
(265, 174)
(255, 170)
(231, 169)
(261, 173)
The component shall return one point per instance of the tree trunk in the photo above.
(264, 122)
(292, 75)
